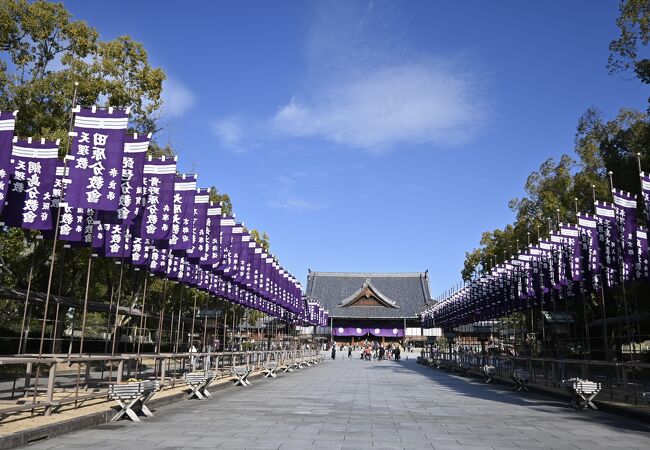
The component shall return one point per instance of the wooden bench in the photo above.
(269, 369)
(241, 375)
(132, 398)
(286, 367)
(583, 391)
(199, 382)
(521, 379)
(488, 372)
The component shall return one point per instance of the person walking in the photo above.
(350, 351)
(334, 351)
(396, 353)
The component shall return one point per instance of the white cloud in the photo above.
(229, 132)
(379, 109)
(284, 195)
(299, 204)
(177, 98)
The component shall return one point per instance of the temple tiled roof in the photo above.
(409, 292)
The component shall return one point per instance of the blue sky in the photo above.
(373, 135)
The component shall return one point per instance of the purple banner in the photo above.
(645, 192)
(7, 125)
(212, 232)
(140, 252)
(96, 159)
(609, 241)
(33, 166)
(199, 220)
(590, 249)
(156, 220)
(641, 266)
(132, 187)
(625, 208)
(117, 241)
(183, 207)
(374, 331)
(571, 236)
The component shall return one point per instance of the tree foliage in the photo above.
(45, 52)
(48, 52)
(625, 52)
(558, 188)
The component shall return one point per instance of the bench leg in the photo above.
(126, 409)
(195, 392)
(205, 391)
(147, 412)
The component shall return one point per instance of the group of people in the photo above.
(372, 351)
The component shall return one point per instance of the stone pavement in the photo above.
(354, 404)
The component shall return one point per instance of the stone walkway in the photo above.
(354, 404)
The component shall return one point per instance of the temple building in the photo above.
(381, 307)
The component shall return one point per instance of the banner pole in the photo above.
(29, 290)
(56, 226)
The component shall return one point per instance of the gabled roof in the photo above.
(368, 291)
(405, 294)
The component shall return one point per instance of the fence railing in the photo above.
(621, 381)
(29, 382)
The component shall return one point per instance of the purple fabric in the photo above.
(132, 188)
(571, 235)
(641, 266)
(99, 233)
(117, 241)
(212, 231)
(7, 125)
(590, 249)
(173, 266)
(158, 260)
(201, 203)
(96, 165)
(183, 212)
(158, 181)
(140, 252)
(33, 166)
(625, 207)
(375, 331)
(609, 241)
(76, 225)
(645, 192)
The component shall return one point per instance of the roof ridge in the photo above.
(366, 274)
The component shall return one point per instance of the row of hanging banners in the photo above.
(601, 251)
(110, 196)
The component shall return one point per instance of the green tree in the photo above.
(224, 199)
(48, 52)
(624, 52)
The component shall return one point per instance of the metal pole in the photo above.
(178, 323)
(56, 228)
(623, 290)
(29, 289)
(225, 326)
(191, 339)
(602, 298)
(142, 313)
(117, 305)
(85, 310)
(215, 324)
(160, 318)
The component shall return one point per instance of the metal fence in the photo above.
(621, 381)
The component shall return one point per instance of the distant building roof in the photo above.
(395, 295)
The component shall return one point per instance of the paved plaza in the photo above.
(354, 404)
